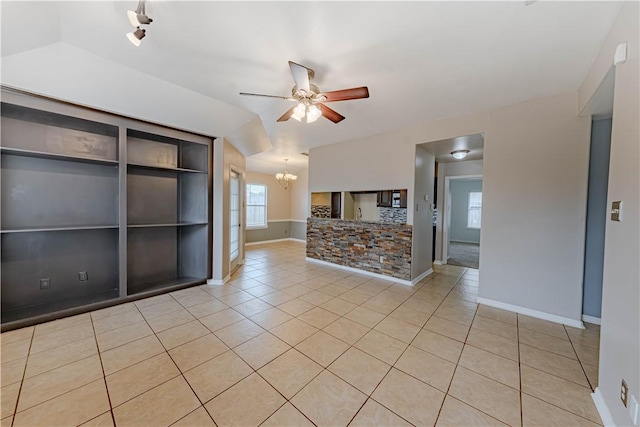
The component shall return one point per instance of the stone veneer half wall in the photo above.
(359, 244)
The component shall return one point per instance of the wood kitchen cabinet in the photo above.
(385, 198)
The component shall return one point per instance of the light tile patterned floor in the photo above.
(291, 343)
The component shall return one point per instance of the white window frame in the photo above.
(266, 202)
(469, 207)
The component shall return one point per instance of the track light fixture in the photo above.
(137, 18)
(136, 36)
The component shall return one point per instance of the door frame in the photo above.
(241, 204)
(446, 211)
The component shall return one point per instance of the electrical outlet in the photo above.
(624, 393)
(381, 259)
(45, 283)
(83, 276)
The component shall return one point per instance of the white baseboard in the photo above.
(533, 313)
(438, 262)
(591, 319)
(357, 270)
(603, 409)
(218, 282)
(262, 242)
(422, 276)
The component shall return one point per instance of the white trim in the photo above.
(591, 319)
(530, 312)
(422, 276)
(602, 408)
(357, 270)
(303, 221)
(439, 262)
(446, 210)
(274, 241)
(279, 220)
(256, 227)
(218, 282)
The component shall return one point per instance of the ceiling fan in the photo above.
(310, 99)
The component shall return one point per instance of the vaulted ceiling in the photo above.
(422, 61)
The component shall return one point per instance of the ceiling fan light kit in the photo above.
(311, 100)
(137, 18)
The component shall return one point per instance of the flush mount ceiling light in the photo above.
(286, 178)
(459, 154)
(137, 18)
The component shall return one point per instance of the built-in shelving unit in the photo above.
(166, 210)
(96, 209)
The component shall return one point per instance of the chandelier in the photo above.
(285, 178)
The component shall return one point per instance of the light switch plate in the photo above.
(616, 211)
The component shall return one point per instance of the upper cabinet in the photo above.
(392, 199)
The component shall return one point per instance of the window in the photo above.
(256, 205)
(474, 212)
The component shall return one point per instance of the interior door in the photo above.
(234, 223)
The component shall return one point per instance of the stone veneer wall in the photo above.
(359, 244)
(398, 215)
(321, 211)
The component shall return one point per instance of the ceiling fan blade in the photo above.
(287, 115)
(346, 94)
(300, 75)
(330, 114)
(288, 98)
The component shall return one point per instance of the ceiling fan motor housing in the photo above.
(302, 95)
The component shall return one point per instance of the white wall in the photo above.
(620, 339)
(348, 207)
(278, 199)
(384, 161)
(421, 255)
(535, 194)
(458, 230)
(225, 156)
(368, 204)
(467, 167)
(321, 199)
(300, 205)
(536, 158)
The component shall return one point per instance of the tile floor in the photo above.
(291, 343)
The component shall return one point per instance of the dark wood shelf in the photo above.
(180, 224)
(60, 228)
(56, 156)
(164, 168)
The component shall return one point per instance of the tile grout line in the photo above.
(580, 361)
(26, 362)
(104, 376)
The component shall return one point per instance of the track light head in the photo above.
(136, 19)
(136, 36)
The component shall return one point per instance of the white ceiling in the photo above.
(422, 61)
(442, 149)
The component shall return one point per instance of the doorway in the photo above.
(234, 221)
(462, 220)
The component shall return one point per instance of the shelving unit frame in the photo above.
(70, 204)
